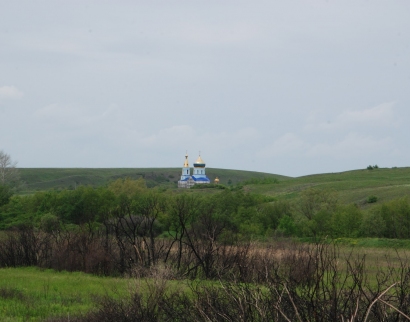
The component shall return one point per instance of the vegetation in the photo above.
(34, 294)
(273, 243)
(44, 179)
(352, 187)
(8, 172)
(9, 177)
(280, 281)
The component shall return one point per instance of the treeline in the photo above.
(317, 213)
(320, 214)
(125, 226)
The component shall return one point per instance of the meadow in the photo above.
(33, 294)
(351, 186)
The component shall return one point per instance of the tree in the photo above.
(5, 194)
(314, 200)
(8, 172)
(127, 186)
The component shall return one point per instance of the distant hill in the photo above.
(36, 179)
(352, 186)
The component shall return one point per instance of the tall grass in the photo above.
(31, 294)
(276, 282)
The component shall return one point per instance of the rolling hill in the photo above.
(36, 179)
(352, 186)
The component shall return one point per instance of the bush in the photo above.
(370, 167)
(5, 194)
(372, 199)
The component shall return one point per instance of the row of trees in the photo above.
(317, 213)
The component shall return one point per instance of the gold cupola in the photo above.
(199, 163)
(186, 164)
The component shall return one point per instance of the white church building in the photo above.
(198, 177)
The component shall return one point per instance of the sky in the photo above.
(286, 87)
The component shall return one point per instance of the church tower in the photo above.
(186, 171)
(199, 175)
(199, 168)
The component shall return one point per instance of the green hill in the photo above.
(352, 186)
(35, 179)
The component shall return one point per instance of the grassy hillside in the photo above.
(35, 179)
(352, 186)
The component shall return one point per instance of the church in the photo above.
(198, 177)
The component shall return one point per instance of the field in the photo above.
(33, 294)
(352, 186)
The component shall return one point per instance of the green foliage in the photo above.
(5, 194)
(347, 222)
(127, 186)
(314, 200)
(209, 186)
(370, 167)
(50, 223)
(373, 224)
(317, 212)
(396, 215)
(271, 213)
(372, 199)
(287, 226)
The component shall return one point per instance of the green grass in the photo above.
(352, 186)
(34, 294)
(31, 294)
(365, 243)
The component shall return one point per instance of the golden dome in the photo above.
(216, 180)
(199, 160)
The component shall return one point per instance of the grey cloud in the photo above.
(263, 86)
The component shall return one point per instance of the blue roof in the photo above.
(196, 179)
(200, 179)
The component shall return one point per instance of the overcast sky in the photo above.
(286, 87)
